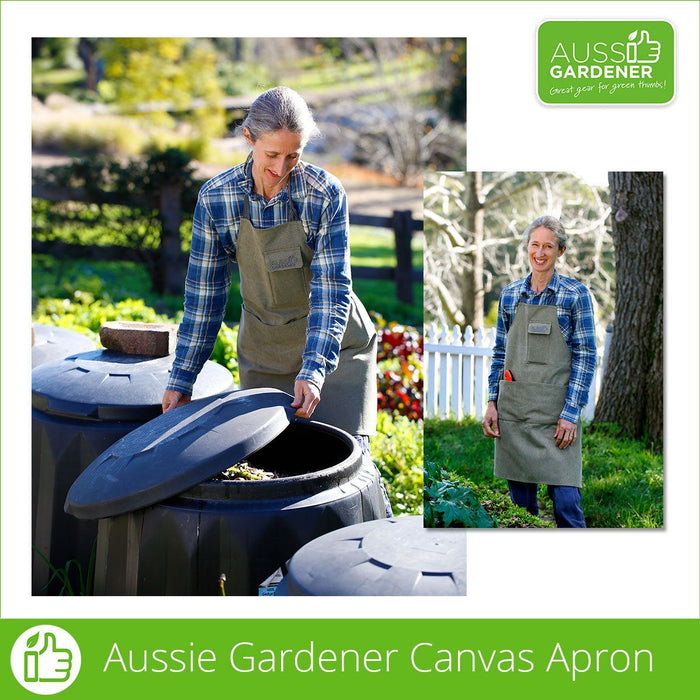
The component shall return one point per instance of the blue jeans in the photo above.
(566, 500)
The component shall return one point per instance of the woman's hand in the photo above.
(490, 422)
(306, 398)
(566, 434)
(173, 399)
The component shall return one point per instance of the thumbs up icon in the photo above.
(642, 49)
(50, 665)
(45, 659)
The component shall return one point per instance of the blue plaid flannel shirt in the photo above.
(576, 318)
(321, 205)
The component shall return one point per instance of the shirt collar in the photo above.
(297, 183)
(553, 285)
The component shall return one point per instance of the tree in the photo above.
(632, 391)
(473, 226)
(159, 79)
(393, 129)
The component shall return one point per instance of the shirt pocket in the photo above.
(539, 336)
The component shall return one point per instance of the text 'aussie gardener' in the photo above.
(422, 657)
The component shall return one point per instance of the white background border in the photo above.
(607, 573)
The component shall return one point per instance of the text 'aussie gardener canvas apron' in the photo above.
(528, 407)
(275, 274)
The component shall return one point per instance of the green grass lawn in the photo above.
(62, 80)
(622, 479)
(374, 247)
(322, 74)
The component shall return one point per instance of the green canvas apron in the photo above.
(528, 407)
(275, 275)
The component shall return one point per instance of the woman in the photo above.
(285, 223)
(542, 368)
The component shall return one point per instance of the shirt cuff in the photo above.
(312, 372)
(570, 413)
(181, 380)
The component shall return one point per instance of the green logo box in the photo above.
(605, 62)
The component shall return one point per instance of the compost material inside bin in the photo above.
(299, 449)
(244, 471)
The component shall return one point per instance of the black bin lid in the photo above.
(53, 343)
(178, 450)
(108, 385)
(397, 556)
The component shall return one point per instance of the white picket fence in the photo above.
(457, 370)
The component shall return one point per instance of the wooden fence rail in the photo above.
(457, 367)
(172, 262)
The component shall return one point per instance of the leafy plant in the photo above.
(224, 352)
(107, 179)
(451, 504)
(83, 313)
(73, 580)
(397, 341)
(161, 72)
(502, 509)
(399, 370)
(397, 450)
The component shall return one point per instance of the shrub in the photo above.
(84, 314)
(506, 514)
(449, 503)
(224, 352)
(397, 341)
(107, 179)
(397, 450)
(399, 370)
(65, 125)
(453, 501)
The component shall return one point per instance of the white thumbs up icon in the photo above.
(641, 48)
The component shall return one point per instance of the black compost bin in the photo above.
(53, 343)
(80, 406)
(397, 556)
(168, 528)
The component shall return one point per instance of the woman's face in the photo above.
(274, 155)
(543, 250)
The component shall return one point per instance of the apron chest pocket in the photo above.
(289, 279)
(538, 342)
(287, 259)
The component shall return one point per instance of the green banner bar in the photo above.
(256, 658)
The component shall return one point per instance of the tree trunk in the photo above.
(88, 55)
(473, 300)
(632, 391)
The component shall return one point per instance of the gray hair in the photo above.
(280, 108)
(550, 223)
